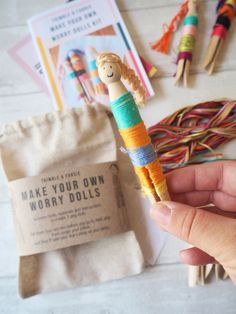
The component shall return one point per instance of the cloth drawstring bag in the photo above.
(73, 138)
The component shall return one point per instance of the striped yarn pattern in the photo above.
(188, 38)
(79, 70)
(75, 82)
(98, 86)
(138, 146)
(225, 14)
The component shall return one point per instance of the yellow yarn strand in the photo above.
(187, 43)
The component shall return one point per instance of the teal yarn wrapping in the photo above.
(191, 20)
(76, 74)
(72, 75)
(92, 65)
(125, 111)
(142, 156)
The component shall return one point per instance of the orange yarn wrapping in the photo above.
(135, 136)
(151, 176)
(153, 180)
(145, 181)
(225, 10)
(163, 44)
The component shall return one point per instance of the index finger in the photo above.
(215, 176)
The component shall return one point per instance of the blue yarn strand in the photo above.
(142, 156)
(92, 65)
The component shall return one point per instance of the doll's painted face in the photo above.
(109, 72)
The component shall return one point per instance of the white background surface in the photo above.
(161, 289)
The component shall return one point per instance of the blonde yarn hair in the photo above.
(127, 74)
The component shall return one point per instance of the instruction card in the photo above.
(67, 208)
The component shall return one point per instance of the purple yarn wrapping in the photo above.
(184, 55)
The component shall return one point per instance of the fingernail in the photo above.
(161, 212)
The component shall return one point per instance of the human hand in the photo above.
(212, 229)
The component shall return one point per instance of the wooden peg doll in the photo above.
(131, 126)
(225, 14)
(79, 69)
(187, 43)
(75, 82)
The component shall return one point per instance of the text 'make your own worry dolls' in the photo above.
(131, 126)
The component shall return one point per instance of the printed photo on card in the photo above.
(68, 40)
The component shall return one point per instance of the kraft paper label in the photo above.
(67, 208)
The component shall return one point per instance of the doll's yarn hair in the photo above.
(127, 74)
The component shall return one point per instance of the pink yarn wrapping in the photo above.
(220, 31)
(184, 55)
(189, 30)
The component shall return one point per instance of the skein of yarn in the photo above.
(190, 135)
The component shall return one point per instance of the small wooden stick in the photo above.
(193, 275)
(180, 71)
(212, 54)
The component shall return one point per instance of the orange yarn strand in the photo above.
(163, 44)
(153, 180)
(227, 11)
(145, 181)
(158, 179)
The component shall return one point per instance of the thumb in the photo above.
(208, 231)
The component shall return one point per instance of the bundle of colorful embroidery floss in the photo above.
(187, 43)
(131, 126)
(190, 135)
(225, 14)
(163, 44)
